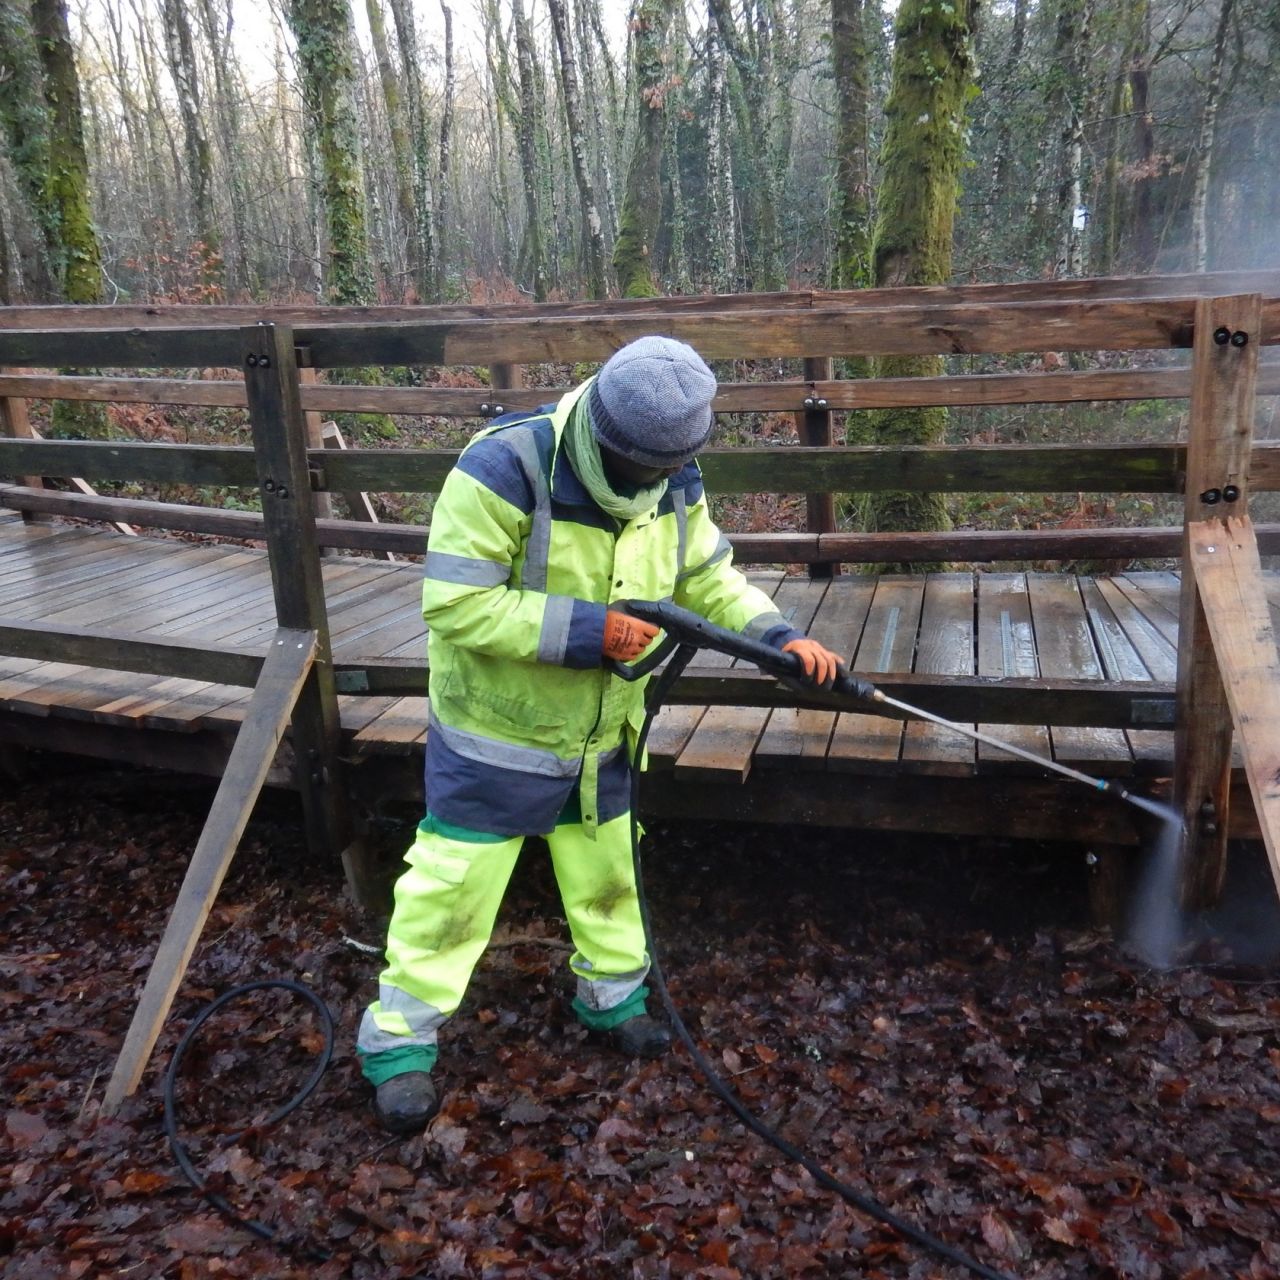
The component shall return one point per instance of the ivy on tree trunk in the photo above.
(924, 147)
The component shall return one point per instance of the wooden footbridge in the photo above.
(256, 654)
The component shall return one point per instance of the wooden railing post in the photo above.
(15, 424)
(814, 427)
(280, 449)
(1228, 333)
(314, 421)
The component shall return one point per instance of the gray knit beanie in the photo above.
(652, 402)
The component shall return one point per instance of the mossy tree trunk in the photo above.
(76, 252)
(24, 113)
(322, 29)
(327, 65)
(924, 147)
(642, 203)
(446, 144)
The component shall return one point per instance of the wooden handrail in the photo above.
(161, 314)
(844, 330)
(976, 546)
(1026, 468)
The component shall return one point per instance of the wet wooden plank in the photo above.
(800, 738)
(1007, 647)
(1155, 595)
(1122, 660)
(865, 742)
(945, 648)
(723, 744)
(1065, 647)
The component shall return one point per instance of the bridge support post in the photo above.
(814, 428)
(280, 447)
(1228, 334)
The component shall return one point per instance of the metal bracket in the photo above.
(356, 681)
(1149, 711)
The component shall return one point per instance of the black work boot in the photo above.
(406, 1102)
(640, 1037)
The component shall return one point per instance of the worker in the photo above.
(547, 519)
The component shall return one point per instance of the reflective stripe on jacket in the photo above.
(520, 567)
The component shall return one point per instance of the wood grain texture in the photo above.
(1228, 573)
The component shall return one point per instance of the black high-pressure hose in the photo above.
(180, 1152)
(859, 1199)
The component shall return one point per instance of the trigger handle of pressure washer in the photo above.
(643, 665)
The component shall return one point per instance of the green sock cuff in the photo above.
(380, 1067)
(605, 1019)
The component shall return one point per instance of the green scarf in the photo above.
(584, 452)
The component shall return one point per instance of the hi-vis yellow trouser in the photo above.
(445, 906)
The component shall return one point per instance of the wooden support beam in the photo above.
(267, 355)
(1228, 334)
(1228, 573)
(314, 424)
(814, 428)
(289, 660)
(358, 504)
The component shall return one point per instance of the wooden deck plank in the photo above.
(43, 575)
(873, 743)
(723, 745)
(799, 739)
(1064, 646)
(1122, 660)
(79, 690)
(1152, 596)
(945, 648)
(674, 726)
(1007, 647)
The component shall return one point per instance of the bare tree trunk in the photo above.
(597, 286)
(182, 67)
(642, 205)
(1144, 161)
(1004, 130)
(532, 252)
(398, 130)
(753, 54)
(423, 151)
(217, 32)
(596, 109)
(1208, 134)
(850, 65)
(1074, 32)
(722, 245)
(446, 142)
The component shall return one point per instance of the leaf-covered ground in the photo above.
(937, 1023)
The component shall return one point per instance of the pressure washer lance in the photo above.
(689, 629)
(685, 634)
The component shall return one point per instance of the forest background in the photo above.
(509, 150)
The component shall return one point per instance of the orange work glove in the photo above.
(625, 637)
(820, 664)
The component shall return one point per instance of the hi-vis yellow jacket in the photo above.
(520, 566)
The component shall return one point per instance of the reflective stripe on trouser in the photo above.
(445, 906)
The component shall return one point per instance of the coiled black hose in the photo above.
(180, 1152)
